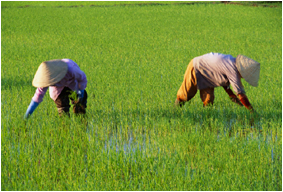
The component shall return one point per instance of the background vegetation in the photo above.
(132, 137)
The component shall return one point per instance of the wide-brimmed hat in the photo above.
(249, 69)
(50, 73)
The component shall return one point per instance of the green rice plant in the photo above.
(132, 138)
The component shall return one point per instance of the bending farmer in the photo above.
(213, 70)
(64, 79)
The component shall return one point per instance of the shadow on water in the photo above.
(124, 125)
(117, 134)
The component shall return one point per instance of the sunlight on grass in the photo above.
(132, 137)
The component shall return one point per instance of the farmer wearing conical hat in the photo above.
(212, 70)
(64, 78)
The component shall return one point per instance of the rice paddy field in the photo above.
(135, 55)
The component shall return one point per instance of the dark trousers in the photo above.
(63, 102)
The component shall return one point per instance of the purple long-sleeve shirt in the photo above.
(75, 79)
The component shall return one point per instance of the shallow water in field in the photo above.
(128, 145)
(131, 143)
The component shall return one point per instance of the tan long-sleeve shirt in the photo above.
(216, 69)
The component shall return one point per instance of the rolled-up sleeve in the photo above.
(235, 81)
(39, 94)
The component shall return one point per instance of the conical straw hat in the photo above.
(249, 69)
(49, 73)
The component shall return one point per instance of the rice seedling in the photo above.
(132, 138)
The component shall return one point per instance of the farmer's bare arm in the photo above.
(232, 96)
(244, 100)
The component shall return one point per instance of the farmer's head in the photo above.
(49, 73)
(249, 69)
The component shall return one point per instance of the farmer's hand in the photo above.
(80, 94)
(244, 100)
(236, 100)
(232, 96)
(254, 115)
(32, 106)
